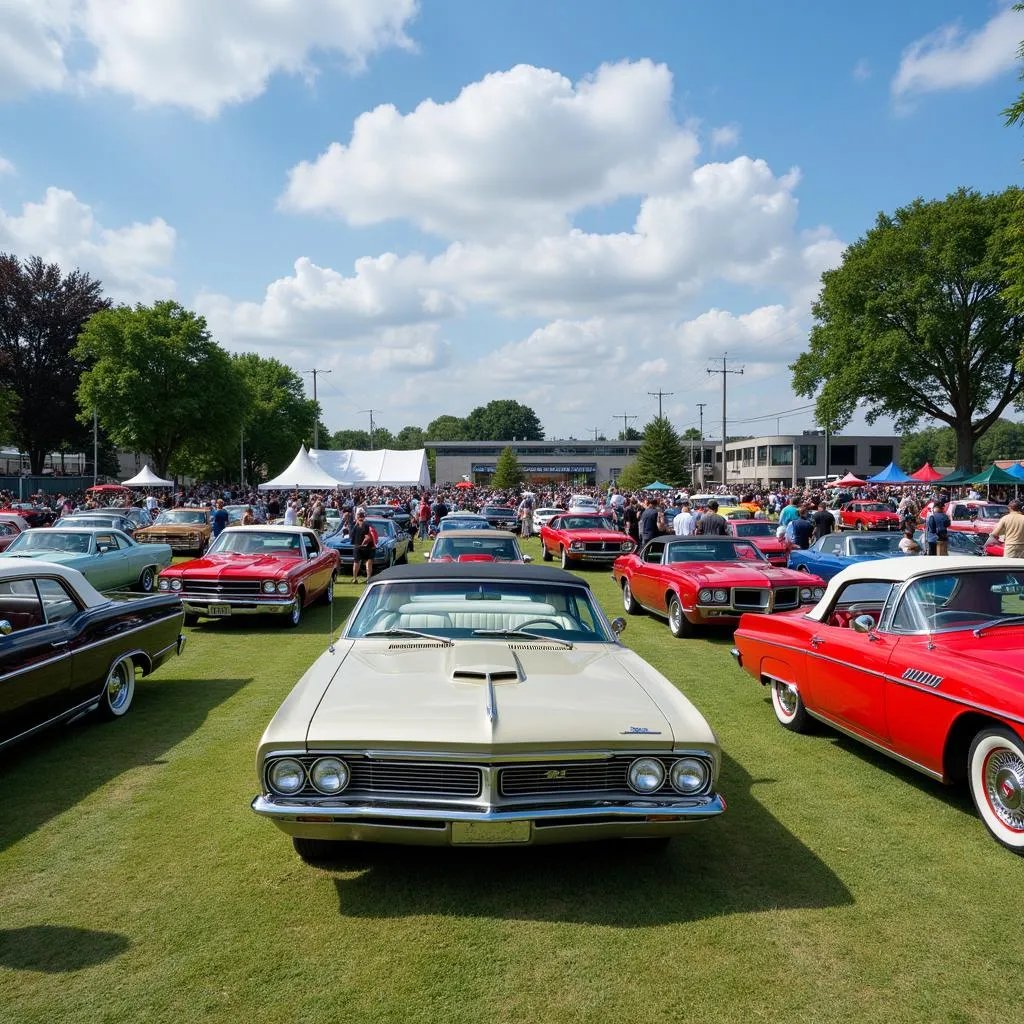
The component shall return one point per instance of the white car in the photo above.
(583, 503)
(543, 516)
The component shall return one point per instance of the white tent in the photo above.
(147, 478)
(385, 466)
(303, 474)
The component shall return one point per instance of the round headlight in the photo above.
(627, 545)
(164, 584)
(721, 596)
(689, 775)
(646, 775)
(268, 586)
(819, 593)
(805, 594)
(176, 583)
(282, 587)
(576, 545)
(329, 775)
(704, 596)
(287, 776)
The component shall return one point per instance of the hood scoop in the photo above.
(476, 663)
(502, 675)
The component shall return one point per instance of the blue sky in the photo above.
(446, 202)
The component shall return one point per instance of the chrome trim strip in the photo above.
(127, 632)
(74, 712)
(479, 758)
(65, 654)
(492, 706)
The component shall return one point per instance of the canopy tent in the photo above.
(383, 467)
(1016, 470)
(463, 485)
(926, 474)
(147, 478)
(106, 489)
(657, 486)
(847, 481)
(892, 474)
(957, 477)
(303, 474)
(993, 475)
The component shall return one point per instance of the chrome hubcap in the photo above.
(1004, 787)
(118, 687)
(787, 699)
(627, 597)
(675, 614)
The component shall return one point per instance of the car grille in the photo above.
(602, 545)
(174, 539)
(222, 588)
(787, 597)
(750, 598)
(404, 778)
(557, 778)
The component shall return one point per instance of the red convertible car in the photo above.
(761, 533)
(708, 581)
(583, 537)
(920, 658)
(868, 515)
(255, 570)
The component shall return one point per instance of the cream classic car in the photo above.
(483, 703)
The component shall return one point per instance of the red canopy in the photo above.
(926, 474)
(107, 488)
(463, 485)
(847, 481)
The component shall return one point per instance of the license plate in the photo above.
(218, 609)
(484, 832)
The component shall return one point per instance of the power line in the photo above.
(316, 422)
(625, 422)
(724, 371)
(371, 412)
(660, 395)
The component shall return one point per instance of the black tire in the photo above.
(147, 580)
(788, 706)
(318, 851)
(191, 619)
(678, 624)
(544, 553)
(629, 602)
(563, 557)
(293, 616)
(118, 690)
(995, 777)
(862, 526)
(328, 597)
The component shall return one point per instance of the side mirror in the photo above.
(864, 624)
(6, 629)
(618, 624)
(102, 549)
(527, 558)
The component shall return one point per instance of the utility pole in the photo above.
(316, 422)
(660, 395)
(700, 407)
(596, 430)
(95, 446)
(241, 445)
(724, 371)
(371, 412)
(625, 422)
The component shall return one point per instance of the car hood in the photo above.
(740, 574)
(227, 565)
(59, 557)
(410, 693)
(173, 528)
(597, 535)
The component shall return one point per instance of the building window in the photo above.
(709, 456)
(730, 455)
(718, 456)
(881, 455)
(844, 455)
(781, 454)
(748, 456)
(762, 455)
(808, 455)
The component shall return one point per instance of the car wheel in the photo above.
(544, 553)
(995, 774)
(629, 602)
(804, 569)
(679, 626)
(318, 851)
(191, 619)
(789, 708)
(294, 614)
(118, 690)
(329, 591)
(563, 558)
(147, 580)
(862, 526)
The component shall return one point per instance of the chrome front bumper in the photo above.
(433, 826)
(239, 606)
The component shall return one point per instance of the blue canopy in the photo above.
(892, 474)
(1016, 470)
(657, 486)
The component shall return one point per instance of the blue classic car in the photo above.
(835, 551)
(108, 559)
(392, 544)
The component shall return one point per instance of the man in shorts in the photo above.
(1011, 530)
(363, 547)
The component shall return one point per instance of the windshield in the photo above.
(52, 540)
(990, 511)
(497, 510)
(714, 550)
(586, 523)
(457, 608)
(482, 548)
(182, 517)
(959, 600)
(463, 524)
(764, 529)
(257, 542)
(889, 544)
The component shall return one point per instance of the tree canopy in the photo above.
(913, 323)
(507, 471)
(160, 383)
(660, 457)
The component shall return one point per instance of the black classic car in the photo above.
(501, 517)
(393, 544)
(66, 650)
(397, 513)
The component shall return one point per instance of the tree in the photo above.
(1014, 270)
(630, 434)
(410, 438)
(936, 445)
(41, 315)
(160, 383)
(343, 440)
(912, 324)
(661, 456)
(1014, 113)
(691, 434)
(447, 428)
(507, 471)
(280, 418)
(503, 420)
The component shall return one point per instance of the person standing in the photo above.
(631, 521)
(801, 529)
(937, 531)
(823, 521)
(220, 518)
(363, 546)
(788, 514)
(1010, 529)
(682, 525)
(648, 521)
(423, 517)
(525, 513)
(711, 523)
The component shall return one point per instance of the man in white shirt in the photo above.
(682, 525)
(291, 514)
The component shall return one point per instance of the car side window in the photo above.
(105, 540)
(830, 545)
(58, 604)
(312, 545)
(20, 605)
(556, 523)
(653, 553)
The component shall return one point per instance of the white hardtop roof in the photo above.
(907, 567)
(91, 530)
(476, 535)
(21, 568)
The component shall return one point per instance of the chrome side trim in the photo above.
(476, 757)
(127, 632)
(492, 706)
(78, 709)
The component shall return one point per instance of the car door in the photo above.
(824, 558)
(644, 583)
(111, 561)
(317, 568)
(847, 668)
(35, 665)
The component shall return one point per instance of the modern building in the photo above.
(576, 463)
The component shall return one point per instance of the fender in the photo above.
(774, 668)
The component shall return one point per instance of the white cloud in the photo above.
(950, 59)
(517, 151)
(6, 167)
(725, 137)
(195, 54)
(61, 229)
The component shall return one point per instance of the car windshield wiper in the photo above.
(521, 634)
(1006, 620)
(395, 631)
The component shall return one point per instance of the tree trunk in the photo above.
(965, 445)
(161, 464)
(36, 461)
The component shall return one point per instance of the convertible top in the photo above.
(480, 571)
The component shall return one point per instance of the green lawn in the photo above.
(136, 885)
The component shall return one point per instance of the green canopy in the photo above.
(957, 477)
(993, 475)
(657, 486)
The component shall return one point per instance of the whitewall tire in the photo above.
(995, 775)
(788, 706)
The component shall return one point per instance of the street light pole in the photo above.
(95, 445)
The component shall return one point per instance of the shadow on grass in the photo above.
(54, 949)
(741, 862)
(48, 774)
(316, 618)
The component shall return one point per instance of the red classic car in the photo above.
(868, 515)
(698, 581)
(761, 533)
(35, 515)
(583, 537)
(255, 570)
(920, 658)
(971, 516)
(9, 530)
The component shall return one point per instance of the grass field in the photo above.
(136, 885)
